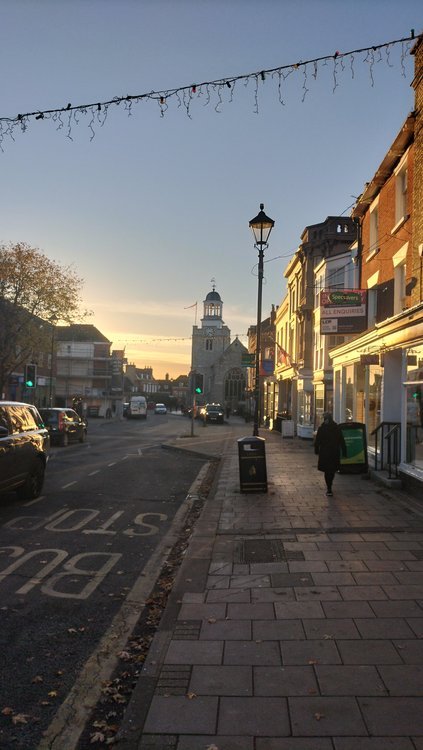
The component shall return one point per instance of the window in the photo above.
(401, 194)
(399, 289)
(209, 345)
(374, 230)
(336, 278)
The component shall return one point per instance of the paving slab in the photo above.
(297, 620)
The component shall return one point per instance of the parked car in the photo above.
(24, 448)
(160, 409)
(64, 425)
(125, 409)
(213, 413)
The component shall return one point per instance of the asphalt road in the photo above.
(76, 563)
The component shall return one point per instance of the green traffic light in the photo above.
(29, 384)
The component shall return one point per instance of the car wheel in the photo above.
(64, 440)
(34, 482)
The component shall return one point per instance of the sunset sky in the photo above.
(151, 208)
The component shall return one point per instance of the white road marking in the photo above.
(69, 484)
(91, 474)
(37, 500)
(112, 464)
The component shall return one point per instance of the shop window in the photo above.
(414, 399)
(374, 400)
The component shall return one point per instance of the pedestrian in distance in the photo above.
(328, 445)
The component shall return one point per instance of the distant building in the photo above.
(83, 370)
(217, 358)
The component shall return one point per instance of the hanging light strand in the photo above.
(186, 95)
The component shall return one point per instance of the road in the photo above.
(76, 563)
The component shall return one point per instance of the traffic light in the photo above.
(30, 378)
(198, 382)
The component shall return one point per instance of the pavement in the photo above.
(296, 619)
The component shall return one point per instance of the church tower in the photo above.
(210, 340)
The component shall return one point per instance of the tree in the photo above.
(35, 294)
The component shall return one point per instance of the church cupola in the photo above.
(213, 309)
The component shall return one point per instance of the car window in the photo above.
(71, 415)
(37, 417)
(3, 418)
(21, 419)
(49, 417)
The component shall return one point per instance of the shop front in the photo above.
(378, 380)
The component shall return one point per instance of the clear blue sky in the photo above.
(153, 208)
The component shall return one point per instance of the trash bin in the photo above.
(252, 464)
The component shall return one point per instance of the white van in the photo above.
(137, 407)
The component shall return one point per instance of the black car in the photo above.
(24, 448)
(64, 425)
(212, 413)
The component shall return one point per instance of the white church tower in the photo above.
(213, 337)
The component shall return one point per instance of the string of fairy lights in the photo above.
(216, 92)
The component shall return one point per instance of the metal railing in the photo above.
(387, 435)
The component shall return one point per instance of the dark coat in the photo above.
(328, 444)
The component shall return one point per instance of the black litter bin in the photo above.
(252, 464)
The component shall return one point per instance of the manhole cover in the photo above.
(260, 551)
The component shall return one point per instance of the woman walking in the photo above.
(328, 444)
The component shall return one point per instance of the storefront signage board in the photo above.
(343, 311)
(355, 462)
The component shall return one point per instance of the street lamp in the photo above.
(53, 320)
(261, 226)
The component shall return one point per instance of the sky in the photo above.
(151, 203)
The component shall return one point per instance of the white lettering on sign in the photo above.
(96, 575)
(150, 528)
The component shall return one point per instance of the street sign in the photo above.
(248, 360)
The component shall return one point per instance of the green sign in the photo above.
(248, 360)
(355, 461)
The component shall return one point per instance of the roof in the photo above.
(387, 166)
(213, 296)
(80, 332)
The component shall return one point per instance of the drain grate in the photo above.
(260, 551)
(187, 630)
(174, 680)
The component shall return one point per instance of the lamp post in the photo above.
(53, 320)
(261, 226)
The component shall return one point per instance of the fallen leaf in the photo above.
(319, 716)
(212, 620)
(7, 711)
(327, 637)
(191, 695)
(313, 661)
(52, 694)
(20, 719)
(72, 630)
(97, 737)
(37, 679)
